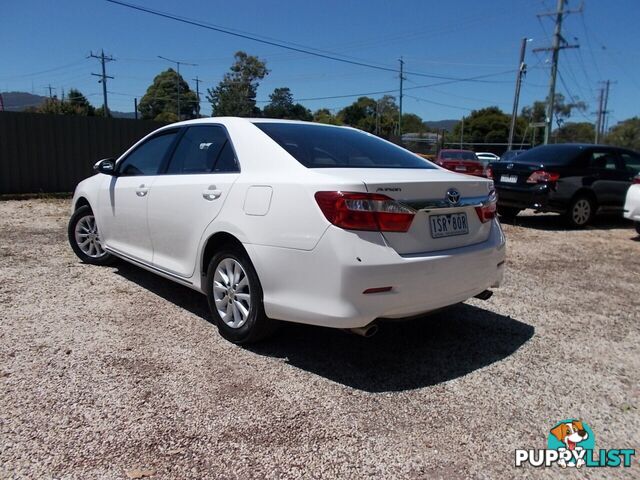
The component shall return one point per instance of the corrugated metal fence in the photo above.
(52, 153)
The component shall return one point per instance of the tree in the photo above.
(625, 134)
(75, 104)
(324, 115)
(575, 132)
(537, 112)
(282, 106)
(487, 125)
(236, 93)
(374, 116)
(162, 97)
(412, 123)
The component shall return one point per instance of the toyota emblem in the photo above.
(453, 196)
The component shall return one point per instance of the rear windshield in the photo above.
(317, 146)
(550, 155)
(458, 155)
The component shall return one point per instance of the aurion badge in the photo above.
(453, 196)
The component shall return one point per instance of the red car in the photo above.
(461, 161)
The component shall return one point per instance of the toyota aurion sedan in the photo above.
(280, 220)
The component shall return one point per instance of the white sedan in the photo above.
(632, 203)
(301, 222)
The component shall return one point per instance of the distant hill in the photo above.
(18, 101)
(442, 124)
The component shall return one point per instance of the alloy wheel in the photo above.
(232, 292)
(88, 238)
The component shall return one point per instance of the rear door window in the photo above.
(202, 149)
(604, 160)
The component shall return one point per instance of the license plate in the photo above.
(461, 168)
(509, 179)
(448, 225)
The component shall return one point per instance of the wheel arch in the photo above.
(213, 244)
(81, 202)
(585, 192)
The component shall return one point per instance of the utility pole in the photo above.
(522, 70)
(462, 133)
(605, 112)
(401, 95)
(198, 82)
(103, 78)
(135, 107)
(50, 89)
(178, 63)
(559, 43)
(599, 120)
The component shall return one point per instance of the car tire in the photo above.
(508, 213)
(84, 238)
(638, 227)
(235, 297)
(581, 211)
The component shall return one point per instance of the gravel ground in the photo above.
(117, 373)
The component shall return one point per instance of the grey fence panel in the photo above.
(52, 153)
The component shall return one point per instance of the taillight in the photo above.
(365, 211)
(542, 176)
(487, 210)
(636, 180)
(489, 172)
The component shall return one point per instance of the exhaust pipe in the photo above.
(367, 331)
(486, 295)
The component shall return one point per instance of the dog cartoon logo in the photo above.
(572, 435)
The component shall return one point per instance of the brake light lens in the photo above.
(542, 176)
(489, 172)
(487, 211)
(365, 211)
(636, 180)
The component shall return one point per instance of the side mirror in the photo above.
(106, 166)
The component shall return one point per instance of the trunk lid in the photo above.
(425, 190)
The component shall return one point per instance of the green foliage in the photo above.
(487, 125)
(379, 117)
(162, 97)
(236, 94)
(575, 132)
(282, 106)
(562, 110)
(412, 123)
(625, 134)
(324, 115)
(75, 104)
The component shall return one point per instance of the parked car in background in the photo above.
(486, 158)
(511, 154)
(461, 161)
(632, 203)
(292, 221)
(577, 180)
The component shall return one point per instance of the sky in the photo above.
(47, 43)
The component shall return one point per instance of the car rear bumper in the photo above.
(538, 197)
(325, 286)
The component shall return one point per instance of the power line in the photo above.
(574, 100)
(252, 37)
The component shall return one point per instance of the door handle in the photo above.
(141, 191)
(211, 193)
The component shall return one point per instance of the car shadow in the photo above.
(402, 356)
(555, 222)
